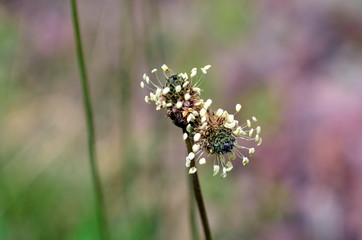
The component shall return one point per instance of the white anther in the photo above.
(191, 156)
(153, 97)
(258, 129)
(207, 67)
(237, 131)
(147, 79)
(251, 151)
(237, 107)
(219, 112)
(248, 123)
(154, 70)
(192, 170)
(164, 68)
(195, 147)
(195, 113)
(203, 112)
(202, 161)
(229, 166)
(197, 137)
(230, 125)
(188, 127)
(185, 84)
(184, 136)
(216, 170)
(203, 126)
(178, 88)
(254, 119)
(207, 103)
(245, 161)
(142, 84)
(251, 132)
(190, 118)
(230, 118)
(165, 90)
(196, 89)
(147, 100)
(187, 96)
(225, 114)
(179, 105)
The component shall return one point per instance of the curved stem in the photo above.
(100, 207)
(198, 195)
(193, 223)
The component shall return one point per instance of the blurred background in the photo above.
(296, 65)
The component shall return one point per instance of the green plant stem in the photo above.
(193, 223)
(198, 195)
(100, 206)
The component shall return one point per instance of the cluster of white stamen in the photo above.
(223, 162)
(201, 121)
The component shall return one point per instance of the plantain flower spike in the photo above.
(214, 133)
